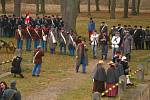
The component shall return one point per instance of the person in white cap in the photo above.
(37, 60)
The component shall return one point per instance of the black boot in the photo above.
(21, 75)
(105, 57)
(77, 69)
(102, 57)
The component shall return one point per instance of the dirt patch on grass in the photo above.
(65, 84)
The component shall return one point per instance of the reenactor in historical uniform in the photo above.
(28, 32)
(71, 43)
(20, 21)
(120, 30)
(141, 33)
(43, 20)
(13, 21)
(36, 36)
(103, 28)
(56, 21)
(62, 41)
(61, 23)
(136, 37)
(53, 21)
(49, 21)
(81, 57)
(37, 20)
(104, 39)
(125, 28)
(5, 26)
(112, 31)
(91, 27)
(147, 38)
(52, 40)
(44, 31)
(130, 29)
(9, 32)
(37, 60)
(19, 35)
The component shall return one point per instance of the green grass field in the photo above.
(54, 67)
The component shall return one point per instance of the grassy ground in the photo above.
(54, 67)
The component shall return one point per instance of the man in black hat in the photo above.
(104, 28)
(13, 21)
(112, 31)
(136, 37)
(147, 38)
(141, 33)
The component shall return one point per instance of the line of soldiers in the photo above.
(139, 35)
(9, 23)
(43, 35)
(122, 38)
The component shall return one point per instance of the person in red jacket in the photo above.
(37, 60)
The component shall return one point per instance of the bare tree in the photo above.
(133, 12)
(3, 3)
(37, 7)
(79, 6)
(89, 7)
(62, 5)
(43, 6)
(97, 5)
(113, 9)
(109, 5)
(70, 13)
(17, 7)
(138, 7)
(126, 5)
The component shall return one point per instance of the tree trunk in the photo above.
(43, 7)
(79, 6)
(37, 7)
(3, 3)
(17, 8)
(97, 5)
(89, 7)
(138, 7)
(133, 11)
(113, 9)
(62, 6)
(109, 5)
(126, 5)
(70, 13)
